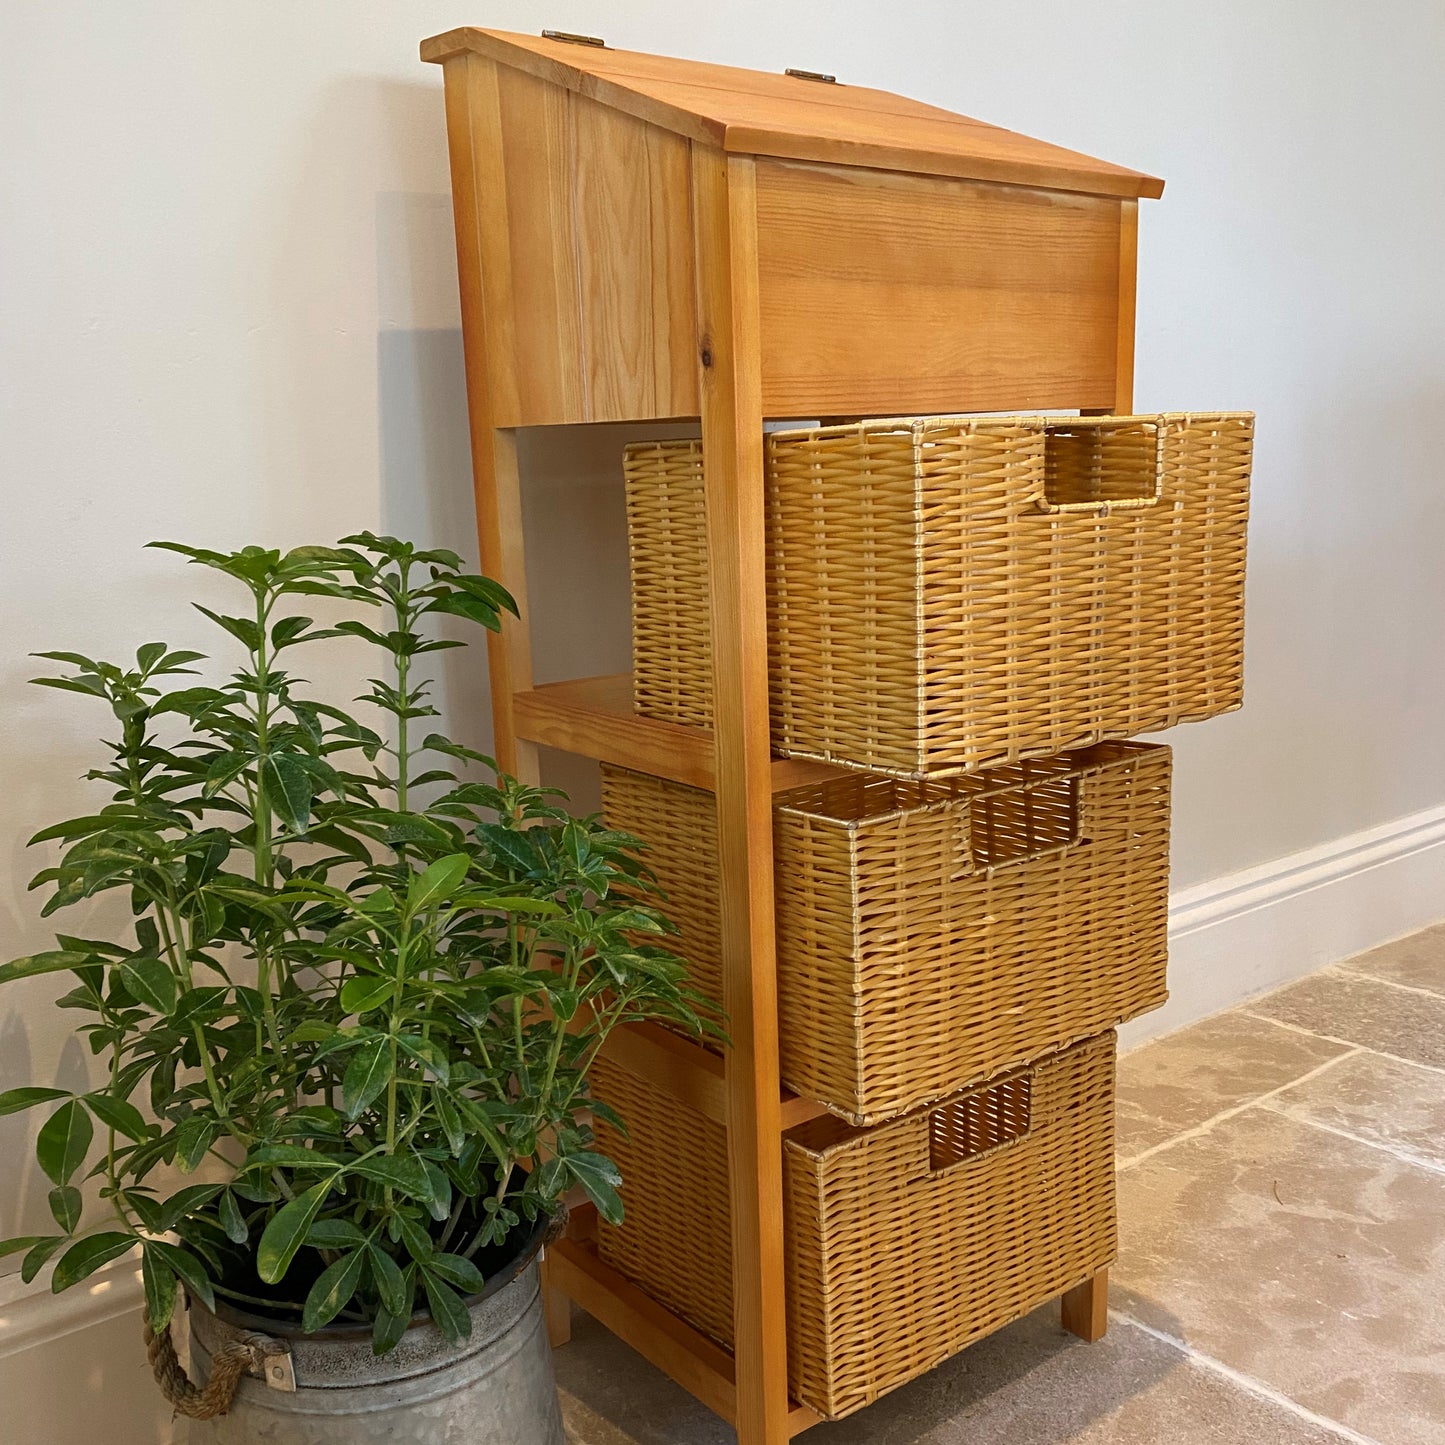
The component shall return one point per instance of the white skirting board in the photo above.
(1230, 939)
(1249, 932)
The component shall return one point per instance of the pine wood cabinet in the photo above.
(647, 238)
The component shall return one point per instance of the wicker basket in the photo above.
(950, 593)
(930, 934)
(904, 1242)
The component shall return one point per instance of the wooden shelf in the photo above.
(690, 1073)
(594, 716)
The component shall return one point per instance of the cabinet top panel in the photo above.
(754, 112)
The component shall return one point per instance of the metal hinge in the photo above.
(812, 75)
(574, 39)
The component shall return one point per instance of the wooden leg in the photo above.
(1085, 1308)
(557, 1308)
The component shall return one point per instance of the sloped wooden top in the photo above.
(754, 112)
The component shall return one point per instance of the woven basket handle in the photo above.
(980, 1120)
(1121, 504)
(976, 806)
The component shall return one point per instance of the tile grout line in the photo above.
(1197, 1130)
(1350, 973)
(1246, 1382)
(1347, 1043)
(1419, 1161)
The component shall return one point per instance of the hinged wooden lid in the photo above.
(753, 112)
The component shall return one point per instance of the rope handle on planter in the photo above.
(228, 1364)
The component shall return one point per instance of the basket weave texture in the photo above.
(931, 934)
(904, 1242)
(949, 593)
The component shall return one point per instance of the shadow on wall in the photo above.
(576, 594)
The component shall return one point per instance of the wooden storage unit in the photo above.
(645, 238)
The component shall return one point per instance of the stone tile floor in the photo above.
(1281, 1278)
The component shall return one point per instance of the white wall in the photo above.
(228, 298)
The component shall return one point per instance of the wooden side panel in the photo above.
(883, 294)
(476, 165)
(541, 302)
(599, 306)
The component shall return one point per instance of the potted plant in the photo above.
(347, 1027)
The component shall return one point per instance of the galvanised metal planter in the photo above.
(497, 1388)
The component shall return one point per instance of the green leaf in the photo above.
(13, 1100)
(266, 903)
(390, 1282)
(176, 661)
(312, 1032)
(282, 1237)
(64, 1141)
(438, 881)
(489, 591)
(185, 1202)
(447, 1310)
(241, 628)
(333, 1290)
(22, 1242)
(392, 1322)
(119, 1115)
(510, 846)
(290, 1156)
(151, 982)
(118, 817)
(65, 1204)
(192, 1140)
(190, 1270)
(474, 609)
(160, 1287)
(512, 903)
(599, 1176)
(439, 743)
(455, 1269)
(91, 686)
(334, 1234)
(428, 1053)
(366, 1076)
(361, 995)
(290, 788)
(40, 1251)
(439, 1197)
(52, 962)
(88, 1255)
(288, 630)
(352, 628)
(221, 770)
(418, 1241)
(451, 1123)
(405, 1175)
(232, 1220)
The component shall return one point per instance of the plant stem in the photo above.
(402, 612)
(265, 873)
